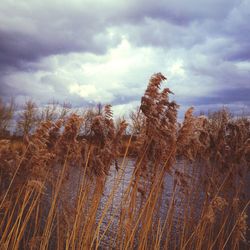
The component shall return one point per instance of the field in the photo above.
(85, 182)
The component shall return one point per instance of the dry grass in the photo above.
(53, 181)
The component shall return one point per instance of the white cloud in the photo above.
(106, 51)
(124, 109)
(177, 68)
(83, 91)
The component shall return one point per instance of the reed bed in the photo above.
(54, 180)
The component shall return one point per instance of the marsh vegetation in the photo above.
(75, 181)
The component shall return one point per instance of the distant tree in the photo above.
(54, 110)
(64, 110)
(6, 116)
(221, 116)
(28, 118)
(137, 121)
(49, 112)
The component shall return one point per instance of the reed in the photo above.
(54, 179)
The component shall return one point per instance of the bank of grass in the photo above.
(36, 211)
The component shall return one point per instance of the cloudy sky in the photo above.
(89, 51)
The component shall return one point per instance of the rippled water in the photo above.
(123, 178)
(116, 206)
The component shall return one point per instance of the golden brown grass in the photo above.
(44, 206)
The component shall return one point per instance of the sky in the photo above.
(90, 51)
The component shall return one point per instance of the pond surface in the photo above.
(121, 178)
(167, 195)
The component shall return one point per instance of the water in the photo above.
(167, 194)
(122, 178)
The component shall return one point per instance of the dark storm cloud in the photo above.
(179, 12)
(210, 36)
(32, 31)
(242, 53)
(39, 30)
(180, 23)
(5, 90)
(17, 48)
(121, 99)
(223, 97)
